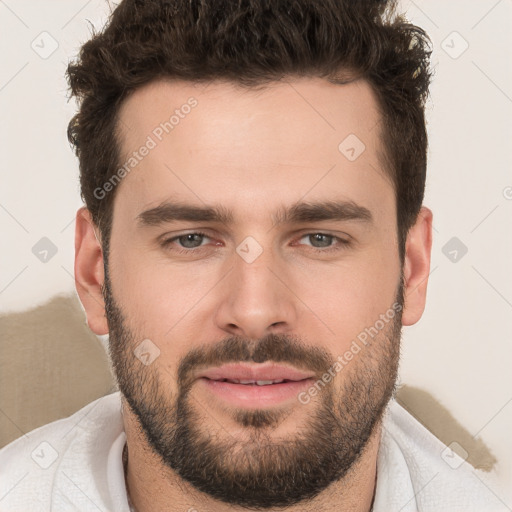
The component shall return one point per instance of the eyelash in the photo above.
(341, 243)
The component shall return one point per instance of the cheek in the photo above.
(349, 297)
(159, 296)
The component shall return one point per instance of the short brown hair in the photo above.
(252, 43)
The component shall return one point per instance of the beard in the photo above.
(260, 472)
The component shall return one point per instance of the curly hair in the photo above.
(252, 43)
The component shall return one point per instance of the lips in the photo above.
(252, 382)
(259, 375)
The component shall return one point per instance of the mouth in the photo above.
(254, 382)
(254, 394)
(255, 374)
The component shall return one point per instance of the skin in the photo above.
(252, 152)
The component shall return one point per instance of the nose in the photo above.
(257, 298)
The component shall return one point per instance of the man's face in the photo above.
(255, 288)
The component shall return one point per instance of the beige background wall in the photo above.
(460, 351)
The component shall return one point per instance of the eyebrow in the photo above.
(299, 212)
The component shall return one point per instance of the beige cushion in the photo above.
(51, 365)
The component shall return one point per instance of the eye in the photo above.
(322, 242)
(187, 242)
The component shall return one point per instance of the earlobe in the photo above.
(417, 267)
(89, 272)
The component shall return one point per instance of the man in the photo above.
(253, 240)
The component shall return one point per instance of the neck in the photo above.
(153, 486)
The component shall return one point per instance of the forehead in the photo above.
(219, 143)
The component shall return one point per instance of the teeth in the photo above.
(257, 382)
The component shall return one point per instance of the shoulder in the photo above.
(436, 477)
(29, 465)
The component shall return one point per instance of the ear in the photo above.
(417, 267)
(89, 274)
